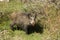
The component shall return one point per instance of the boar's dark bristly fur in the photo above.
(22, 20)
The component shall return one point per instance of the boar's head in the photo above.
(32, 18)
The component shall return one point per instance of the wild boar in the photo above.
(22, 20)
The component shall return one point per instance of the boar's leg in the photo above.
(18, 27)
(12, 26)
(26, 29)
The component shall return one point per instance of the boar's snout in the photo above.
(32, 21)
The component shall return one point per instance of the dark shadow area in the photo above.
(38, 28)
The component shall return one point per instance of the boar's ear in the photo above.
(35, 15)
(29, 15)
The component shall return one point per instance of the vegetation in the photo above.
(48, 16)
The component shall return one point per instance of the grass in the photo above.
(7, 34)
(51, 23)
